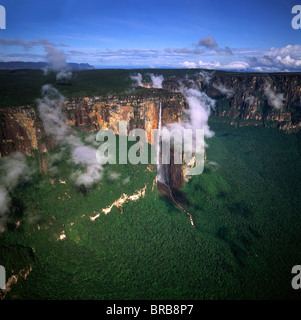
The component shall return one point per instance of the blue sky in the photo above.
(230, 34)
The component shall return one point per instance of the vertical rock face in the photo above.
(240, 100)
(22, 130)
(248, 104)
(175, 172)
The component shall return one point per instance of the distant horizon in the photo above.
(261, 36)
(125, 67)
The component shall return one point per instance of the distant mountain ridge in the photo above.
(41, 65)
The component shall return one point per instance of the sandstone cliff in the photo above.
(22, 130)
(240, 100)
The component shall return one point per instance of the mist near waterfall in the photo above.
(195, 117)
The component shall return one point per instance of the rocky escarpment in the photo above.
(250, 101)
(244, 99)
(22, 130)
(241, 99)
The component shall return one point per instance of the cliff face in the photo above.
(241, 99)
(22, 130)
(246, 100)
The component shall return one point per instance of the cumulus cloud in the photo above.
(209, 65)
(14, 170)
(289, 50)
(285, 59)
(189, 65)
(216, 65)
(275, 100)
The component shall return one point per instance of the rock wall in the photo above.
(248, 103)
(22, 130)
(240, 100)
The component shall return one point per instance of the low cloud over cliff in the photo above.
(55, 124)
(14, 171)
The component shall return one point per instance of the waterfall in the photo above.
(162, 183)
(159, 168)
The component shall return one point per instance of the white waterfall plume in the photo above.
(159, 169)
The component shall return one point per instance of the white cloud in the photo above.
(189, 65)
(13, 170)
(283, 59)
(228, 92)
(138, 79)
(236, 65)
(50, 110)
(156, 81)
(209, 65)
(275, 100)
(289, 50)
